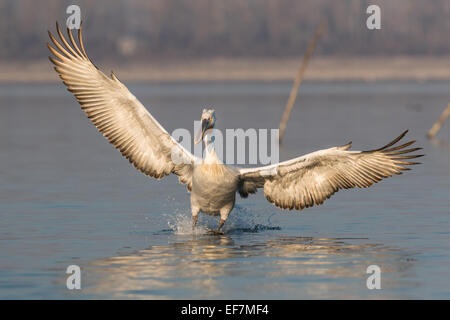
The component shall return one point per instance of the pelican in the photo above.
(294, 184)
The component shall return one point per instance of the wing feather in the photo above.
(311, 179)
(117, 114)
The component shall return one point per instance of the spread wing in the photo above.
(118, 115)
(311, 179)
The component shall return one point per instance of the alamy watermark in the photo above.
(73, 281)
(374, 20)
(74, 20)
(374, 280)
(261, 145)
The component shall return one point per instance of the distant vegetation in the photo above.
(153, 29)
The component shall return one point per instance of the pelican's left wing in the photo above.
(118, 115)
(311, 179)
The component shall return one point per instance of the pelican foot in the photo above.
(215, 232)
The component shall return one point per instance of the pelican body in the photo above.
(294, 184)
(214, 185)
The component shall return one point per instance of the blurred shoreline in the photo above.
(413, 68)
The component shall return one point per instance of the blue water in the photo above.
(68, 197)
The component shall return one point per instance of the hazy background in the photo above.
(210, 28)
(229, 40)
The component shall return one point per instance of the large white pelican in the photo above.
(298, 183)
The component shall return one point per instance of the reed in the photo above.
(299, 79)
(439, 123)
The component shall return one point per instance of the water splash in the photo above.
(181, 224)
(240, 220)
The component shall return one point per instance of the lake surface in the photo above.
(67, 197)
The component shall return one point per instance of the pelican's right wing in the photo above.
(311, 179)
(118, 115)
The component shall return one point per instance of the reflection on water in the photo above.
(211, 267)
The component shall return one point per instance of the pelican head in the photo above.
(208, 120)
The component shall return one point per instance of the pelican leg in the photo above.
(221, 222)
(195, 212)
(194, 221)
(224, 213)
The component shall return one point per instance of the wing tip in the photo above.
(52, 60)
(345, 146)
(385, 149)
(62, 44)
(113, 76)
